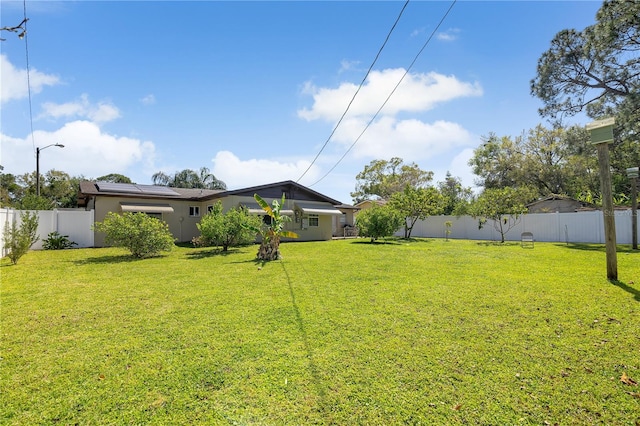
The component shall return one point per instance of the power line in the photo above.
(26, 50)
(390, 94)
(357, 91)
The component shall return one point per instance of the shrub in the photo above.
(378, 222)
(141, 234)
(233, 228)
(55, 241)
(18, 240)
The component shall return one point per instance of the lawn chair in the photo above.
(526, 239)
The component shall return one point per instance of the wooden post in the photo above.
(601, 137)
(607, 211)
(632, 173)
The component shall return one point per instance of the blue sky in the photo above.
(252, 90)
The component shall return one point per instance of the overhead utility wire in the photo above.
(390, 94)
(26, 50)
(357, 91)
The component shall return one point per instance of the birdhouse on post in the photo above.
(601, 136)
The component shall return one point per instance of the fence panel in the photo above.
(76, 224)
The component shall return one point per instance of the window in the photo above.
(194, 211)
(209, 208)
(313, 220)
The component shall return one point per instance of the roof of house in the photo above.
(291, 189)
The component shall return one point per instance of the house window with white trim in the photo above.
(194, 211)
(209, 208)
(314, 220)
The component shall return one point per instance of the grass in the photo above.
(340, 332)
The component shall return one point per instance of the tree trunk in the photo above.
(269, 249)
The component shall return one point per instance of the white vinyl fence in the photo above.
(76, 224)
(579, 227)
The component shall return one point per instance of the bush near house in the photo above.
(379, 222)
(233, 228)
(141, 234)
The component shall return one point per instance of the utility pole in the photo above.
(601, 137)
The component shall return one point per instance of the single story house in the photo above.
(314, 216)
(558, 203)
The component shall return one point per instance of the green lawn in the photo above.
(338, 332)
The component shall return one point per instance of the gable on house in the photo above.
(314, 215)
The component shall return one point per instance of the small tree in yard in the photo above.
(417, 204)
(378, 222)
(502, 206)
(271, 233)
(234, 228)
(141, 234)
(18, 240)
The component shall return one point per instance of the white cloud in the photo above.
(348, 66)
(409, 139)
(87, 151)
(101, 112)
(237, 173)
(417, 92)
(450, 35)
(14, 81)
(148, 100)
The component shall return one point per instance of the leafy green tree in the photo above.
(233, 228)
(19, 239)
(188, 178)
(141, 234)
(502, 206)
(415, 204)
(382, 178)
(497, 162)
(595, 68)
(456, 197)
(273, 231)
(378, 222)
(10, 190)
(114, 178)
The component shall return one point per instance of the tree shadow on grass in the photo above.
(498, 243)
(123, 258)
(376, 242)
(203, 254)
(598, 247)
(313, 367)
(633, 291)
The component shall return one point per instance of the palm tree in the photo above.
(271, 234)
(188, 178)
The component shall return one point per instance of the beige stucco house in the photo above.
(314, 216)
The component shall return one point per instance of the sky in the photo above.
(253, 90)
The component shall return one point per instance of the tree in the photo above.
(274, 230)
(19, 239)
(141, 234)
(554, 161)
(593, 69)
(382, 178)
(415, 204)
(378, 222)
(114, 178)
(497, 162)
(233, 228)
(10, 190)
(502, 206)
(456, 197)
(188, 178)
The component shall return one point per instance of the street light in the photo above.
(38, 164)
(632, 174)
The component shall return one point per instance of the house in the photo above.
(558, 203)
(367, 204)
(314, 216)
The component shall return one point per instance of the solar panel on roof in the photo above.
(157, 190)
(117, 187)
